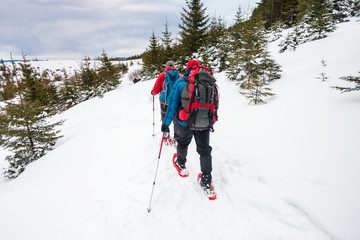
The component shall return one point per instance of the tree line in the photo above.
(29, 98)
(241, 49)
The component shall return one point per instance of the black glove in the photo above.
(165, 128)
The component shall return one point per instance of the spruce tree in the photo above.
(314, 21)
(340, 10)
(288, 12)
(270, 70)
(273, 11)
(276, 30)
(256, 90)
(38, 86)
(239, 16)
(69, 91)
(25, 130)
(108, 74)
(49, 91)
(88, 81)
(7, 85)
(354, 6)
(194, 26)
(320, 19)
(152, 64)
(180, 55)
(250, 63)
(297, 36)
(167, 44)
(235, 46)
(213, 53)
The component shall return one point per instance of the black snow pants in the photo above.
(183, 136)
(163, 109)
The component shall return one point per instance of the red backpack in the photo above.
(200, 99)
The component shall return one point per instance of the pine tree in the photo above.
(152, 64)
(180, 56)
(297, 36)
(88, 81)
(167, 44)
(256, 90)
(223, 49)
(246, 50)
(354, 7)
(340, 10)
(270, 70)
(213, 53)
(38, 86)
(239, 16)
(235, 45)
(48, 91)
(288, 12)
(314, 21)
(273, 11)
(108, 74)
(194, 26)
(276, 31)
(69, 91)
(250, 63)
(350, 79)
(7, 85)
(25, 130)
(320, 19)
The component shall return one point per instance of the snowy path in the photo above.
(97, 183)
(246, 206)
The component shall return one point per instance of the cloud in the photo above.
(74, 28)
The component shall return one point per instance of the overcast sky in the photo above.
(72, 29)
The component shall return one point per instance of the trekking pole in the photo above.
(157, 166)
(153, 116)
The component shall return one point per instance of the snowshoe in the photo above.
(182, 171)
(169, 141)
(208, 188)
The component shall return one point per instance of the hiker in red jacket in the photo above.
(164, 85)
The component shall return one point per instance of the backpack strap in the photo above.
(191, 100)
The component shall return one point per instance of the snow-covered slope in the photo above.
(283, 170)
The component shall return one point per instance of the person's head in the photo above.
(170, 64)
(191, 63)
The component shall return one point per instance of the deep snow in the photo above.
(288, 169)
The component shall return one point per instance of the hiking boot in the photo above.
(180, 166)
(205, 181)
(206, 185)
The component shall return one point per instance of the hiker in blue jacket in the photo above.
(163, 86)
(183, 134)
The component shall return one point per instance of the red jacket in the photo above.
(159, 84)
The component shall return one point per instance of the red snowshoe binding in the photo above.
(182, 171)
(207, 188)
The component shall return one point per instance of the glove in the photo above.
(165, 128)
(152, 92)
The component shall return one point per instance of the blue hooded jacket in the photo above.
(175, 104)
